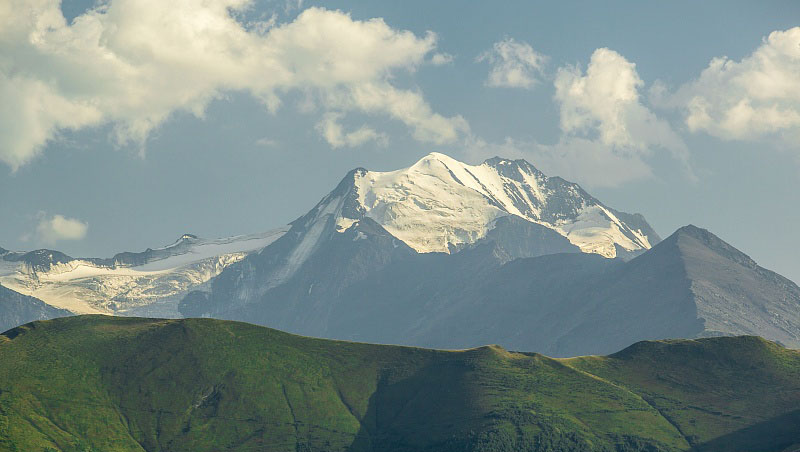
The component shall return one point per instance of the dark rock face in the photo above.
(17, 309)
(316, 289)
(38, 260)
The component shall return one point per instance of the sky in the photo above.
(126, 123)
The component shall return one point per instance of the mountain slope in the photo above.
(202, 385)
(700, 388)
(296, 284)
(734, 295)
(17, 309)
(690, 285)
(297, 276)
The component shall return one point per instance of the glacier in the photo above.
(148, 284)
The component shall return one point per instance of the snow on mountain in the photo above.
(440, 205)
(437, 205)
(147, 283)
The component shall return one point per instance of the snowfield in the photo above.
(153, 288)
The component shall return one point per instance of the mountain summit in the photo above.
(375, 220)
(440, 205)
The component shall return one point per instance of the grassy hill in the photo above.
(96, 383)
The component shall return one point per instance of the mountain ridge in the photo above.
(349, 269)
(152, 281)
(203, 384)
(497, 192)
(558, 304)
(756, 299)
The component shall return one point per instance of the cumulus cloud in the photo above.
(607, 132)
(52, 229)
(755, 97)
(514, 64)
(333, 132)
(134, 63)
(407, 106)
(604, 123)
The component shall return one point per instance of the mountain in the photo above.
(436, 206)
(443, 255)
(332, 278)
(692, 284)
(17, 309)
(92, 383)
(294, 283)
(733, 294)
(150, 282)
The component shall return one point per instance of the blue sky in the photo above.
(126, 125)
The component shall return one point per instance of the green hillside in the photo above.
(96, 383)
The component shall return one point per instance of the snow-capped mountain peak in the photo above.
(440, 204)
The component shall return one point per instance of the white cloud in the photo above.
(607, 133)
(405, 105)
(514, 64)
(266, 142)
(56, 228)
(333, 132)
(133, 63)
(604, 123)
(292, 5)
(441, 58)
(756, 97)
